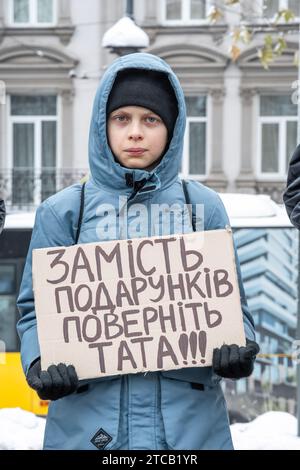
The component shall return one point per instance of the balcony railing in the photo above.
(25, 188)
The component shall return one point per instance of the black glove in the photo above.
(235, 362)
(54, 383)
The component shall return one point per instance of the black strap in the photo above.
(80, 214)
(188, 202)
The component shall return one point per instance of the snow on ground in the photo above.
(20, 430)
(274, 430)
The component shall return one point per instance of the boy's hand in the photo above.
(235, 362)
(54, 383)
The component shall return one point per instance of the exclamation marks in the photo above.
(183, 346)
(193, 345)
(202, 344)
(191, 342)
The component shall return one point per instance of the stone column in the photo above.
(150, 13)
(2, 21)
(216, 178)
(67, 129)
(64, 28)
(3, 134)
(64, 12)
(150, 18)
(246, 179)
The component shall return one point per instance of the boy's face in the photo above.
(137, 137)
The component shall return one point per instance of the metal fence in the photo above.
(25, 188)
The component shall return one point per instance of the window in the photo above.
(185, 11)
(195, 145)
(241, 386)
(33, 12)
(275, 377)
(8, 306)
(271, 7)
(33, 148)
(257, 373)
(269, 319)
(277, 134)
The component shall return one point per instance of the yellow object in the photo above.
(85, 178)
(14, 390)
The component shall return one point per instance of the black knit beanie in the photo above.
(147, 88)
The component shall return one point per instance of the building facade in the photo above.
(250, 121)
(269, 268)
(242, 124)
(45, 110)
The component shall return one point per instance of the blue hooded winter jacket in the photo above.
(178, 409)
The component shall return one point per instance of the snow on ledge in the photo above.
(125, 33)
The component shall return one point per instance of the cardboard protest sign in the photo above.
(127, 306)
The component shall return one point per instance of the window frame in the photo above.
(185, 15)
(283, 5)
(37, 121)
(33, 19)
(282, 122)
(185, 166)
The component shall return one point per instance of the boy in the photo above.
(135, 149)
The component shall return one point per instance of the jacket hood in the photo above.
(105, 170)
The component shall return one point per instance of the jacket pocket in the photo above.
(88, 420)
(195, 418)
(200, 375)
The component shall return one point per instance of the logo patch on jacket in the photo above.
(101, 439)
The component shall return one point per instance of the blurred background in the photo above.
(238, 63)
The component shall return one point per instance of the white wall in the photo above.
(85, 47)
(232, 126)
